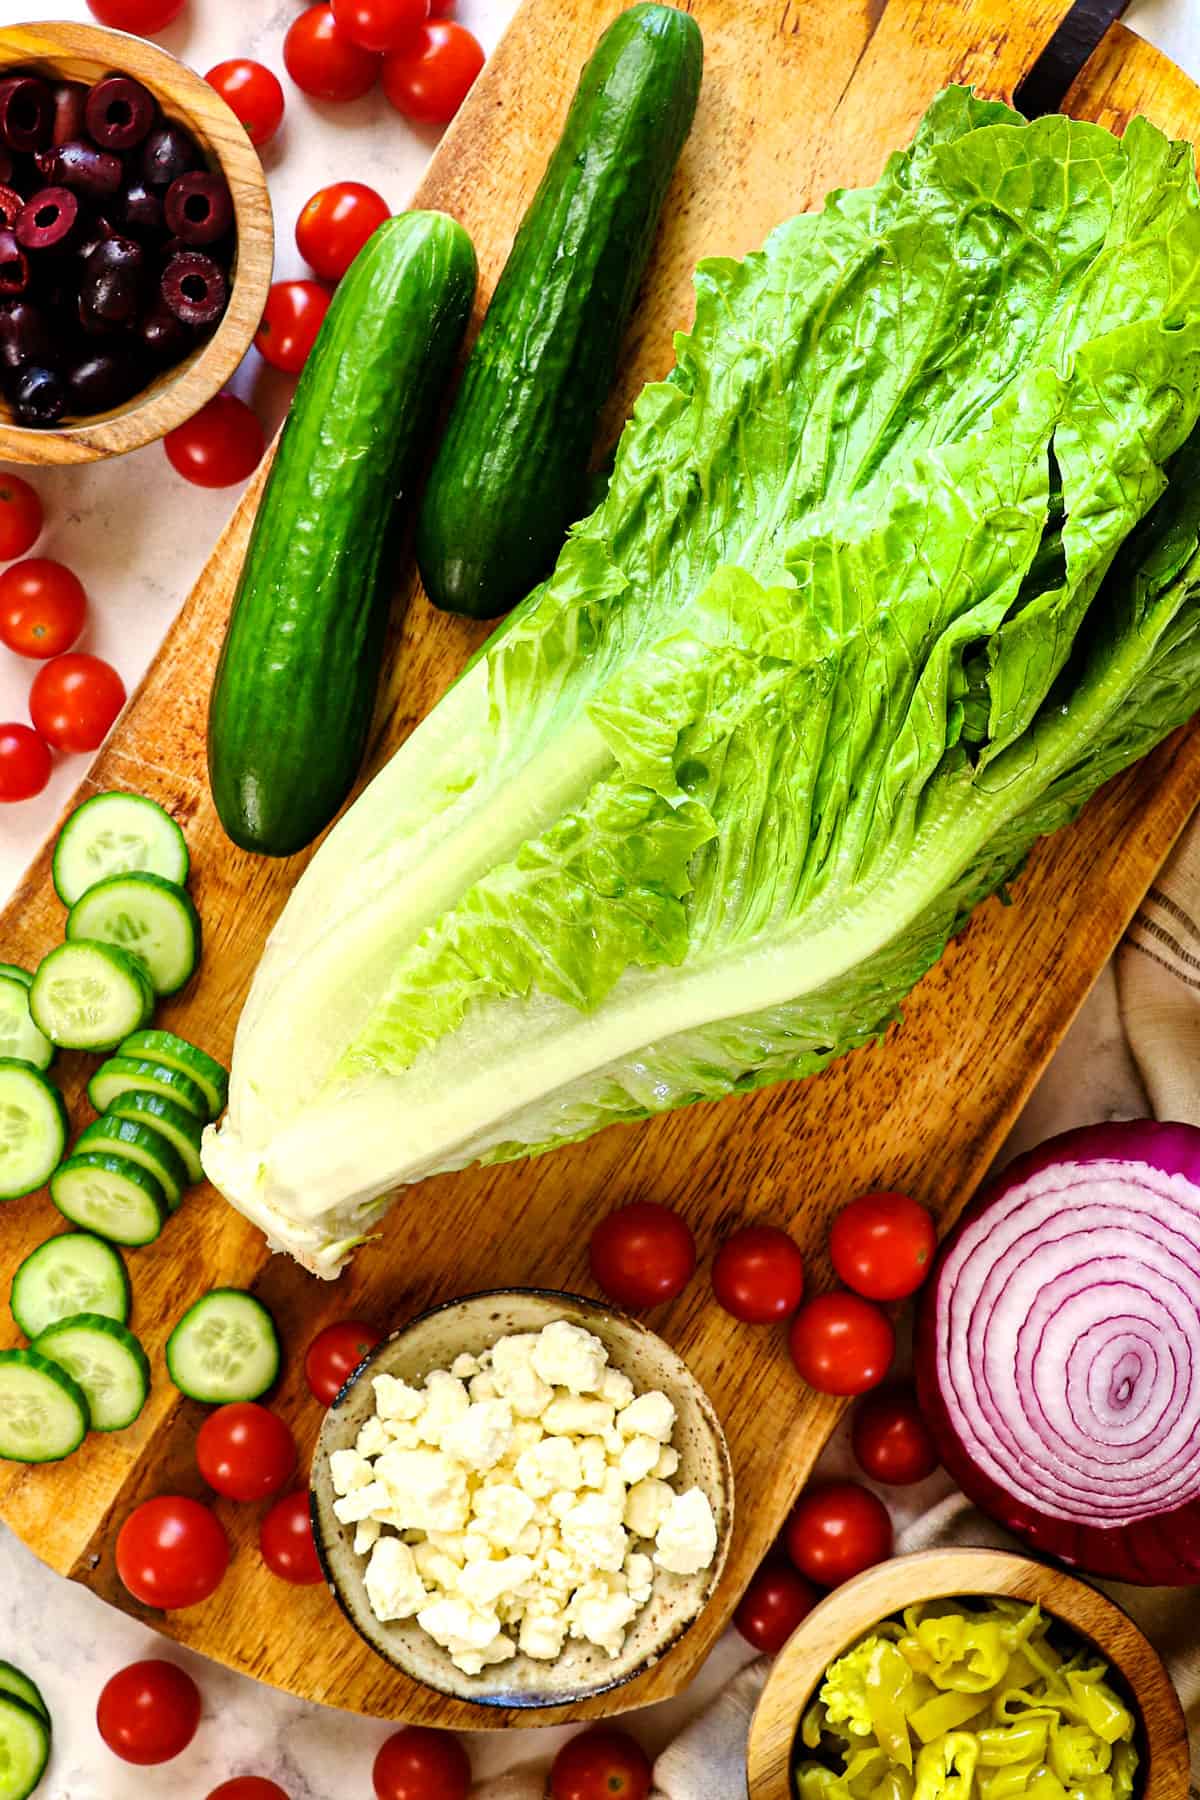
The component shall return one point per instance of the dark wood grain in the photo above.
(799, 95)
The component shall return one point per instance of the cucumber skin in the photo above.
(295, 686)
(511, 473)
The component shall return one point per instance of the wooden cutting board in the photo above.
(799, 96)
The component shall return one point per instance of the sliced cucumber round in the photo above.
(180, 1128)
(153, 918)
(176, 1053)
(115, 1198)
(69, 1274)
(108, 1363)
(114, 834)
(23, 1687)
(88, 996)
(33, 1129)
(19, 1036)
(15, 972)
(43, 1410)
(141, 1144)
(24, 1748)
(224, 1348)
(137, 1075)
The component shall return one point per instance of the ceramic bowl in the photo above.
(432, 1341)
(73, 52)
(852, 1611)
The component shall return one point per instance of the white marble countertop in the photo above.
(138, 563)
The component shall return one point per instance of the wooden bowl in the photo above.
(86, 53)
(852, 1611)
(432, 1341)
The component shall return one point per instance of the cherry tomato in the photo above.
(758, 1275)
(883, 1245)
(600, 1764)
(838, 1529)
(42, 607)
(333, 1356)
(323, 62)
(294, 315)
(248, 1787)
(430, 78)
(221, 444)
(245, 1452)
(441, 9)
(419, 1764)
(253, 93)
(336, 223)
(24, 763)
(148, 1712)
(171, 1553)
(891, 1439)
(74, 700)
(140, 16)
(20, 516)
(286, 1541)
(777, 1600)
(841, 1344)
(642, 1254)
(380, 25)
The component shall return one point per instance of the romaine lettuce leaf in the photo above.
(892, 572)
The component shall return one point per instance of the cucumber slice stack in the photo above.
(24, 1742)
(108, 1363)
(74, 1273)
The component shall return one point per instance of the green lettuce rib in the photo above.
(892, 572)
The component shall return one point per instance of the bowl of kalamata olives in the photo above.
(136, 243)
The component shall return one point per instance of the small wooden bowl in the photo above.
(86, 53)
(432, 1341)
(852, 1611)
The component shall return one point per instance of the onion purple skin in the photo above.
(1159, 1551)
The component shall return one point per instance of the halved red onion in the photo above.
(1058, 1351)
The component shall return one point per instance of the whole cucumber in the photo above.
(511, 473)
(295, 686)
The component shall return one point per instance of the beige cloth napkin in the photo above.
(1158, 982)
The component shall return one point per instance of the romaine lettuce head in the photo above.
(898, 566)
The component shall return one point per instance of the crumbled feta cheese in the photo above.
(360, 1504)
(436, 1569)
(667, 1464)
(542, 1638)
(551, 1464)
(395, 1399)
(366, 1536)
(639, 1577)
(602, 1619)
(394, 1587)
(650, 1415)
(425, 1488)
(616, 1388)
(483, 1386)
(570, 1414)
(646, 1506)
(687, 1538)
(483, 1583)
(446, 1401)
(373, 1438)
(401, 1434)
(638, 1459)
(481, 1436)
(593, 1532)
(464, 1366)
(502, 1514)
(348, 1470)
(567, 1356)
(516, 1378)
(593, 1462)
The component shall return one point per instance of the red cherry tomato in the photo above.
(20, 516)
(419, 1764)
(333, 1356)
(218, 446)
(323, 62)
(442, 9)
(253, 94)
(74, 700)
(294, 315)
(245, 1452)
(148, 1712)
(841, 1344)
(642, 1254)
(43, 607)
(336, 223)
(891, 1439)
(883, 1245)
(758, 1275)
(143, 17)
(380, 25)
(777, 1600)
(248, 1787)
(600, 1764)
(286, 1541)
(430, 78)
(171, 1553)
(838, 1529)
(24, 763)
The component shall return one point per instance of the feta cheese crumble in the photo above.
(520, 1499)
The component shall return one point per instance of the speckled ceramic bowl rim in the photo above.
(723, 1503)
